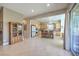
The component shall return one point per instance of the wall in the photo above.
(28, 29)
(9, 16)
(67, 36)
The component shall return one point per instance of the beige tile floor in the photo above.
(35, 47)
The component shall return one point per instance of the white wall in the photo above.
(67, 36)
(8, 16)
(67, 47)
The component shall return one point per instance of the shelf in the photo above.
(14, 33)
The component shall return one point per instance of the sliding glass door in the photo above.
(74, 28)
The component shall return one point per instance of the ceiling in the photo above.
(39, 8)
(51, 19)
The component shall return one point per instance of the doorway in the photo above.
(49, 29)
(33, 31)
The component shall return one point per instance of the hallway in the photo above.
(34, 47)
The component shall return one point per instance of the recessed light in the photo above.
(48, 5)
(32, 10)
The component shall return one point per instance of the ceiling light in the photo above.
(32, 10)
(48, 5)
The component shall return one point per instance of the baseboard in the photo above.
(4, 44)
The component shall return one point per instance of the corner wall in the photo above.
(27, 32)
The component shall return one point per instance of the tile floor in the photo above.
(35, 47)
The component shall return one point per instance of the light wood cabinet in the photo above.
(15, 32)
(43, 26)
